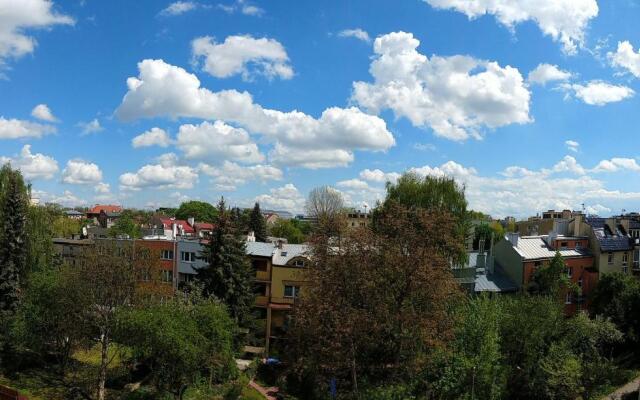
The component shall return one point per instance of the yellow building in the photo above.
(279, 277)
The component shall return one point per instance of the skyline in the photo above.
(150, 104)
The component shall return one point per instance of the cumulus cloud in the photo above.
(544, 73)
(243, 7)
(217, 141)
(231, 175)
(102, 188)
(572, 145)
(565, 21)
(598, 93)
(616, 164)
(626, 58)
(153, 137)
(377, 175)
(32, 166)
(178, 8)
(66, 199)
(242, 55)
(355, 183)
(159, 176)
(286, 198)
(355, 33)
(166, 90)
(90, 127)
(43, 112)
(79, 172)
(17, 129)
(456, 96)
(19, 17)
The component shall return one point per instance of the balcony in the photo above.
(283, 300)
(262, 276)
(262, 301)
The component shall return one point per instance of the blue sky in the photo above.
(266, 100)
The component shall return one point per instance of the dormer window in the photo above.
(299, 263)
(283, 254)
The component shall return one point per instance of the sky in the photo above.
(529, 105)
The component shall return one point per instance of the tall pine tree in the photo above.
(227, 275)
(257, 224)
(14, 203)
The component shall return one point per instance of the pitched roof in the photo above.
(107, 208)
(203, 225)
(495, 282)
(609, 240)
(280, 256)
(168, 223)
(535, 248)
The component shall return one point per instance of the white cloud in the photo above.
(152, 137)
(598, 93)
(377, 175)
(102, 188)
(597, 209)
(355, 33)
(626, 58)
(286, 198)
(456, 96)
(544, 73)
(90, 127)
(43, 112)
(216, 142)
(249, 9)
(33, 166)
(18, 17)
(424, 146)
(244, 7)
(178, 8)
(165, 90)
(616, 164)
(355, 184)
(230, 175)
(569, 164)
(564, 20)
(242, 55)
(160, 176)
(81, 172)
(17, 129)
(572, 145)
(67, 198)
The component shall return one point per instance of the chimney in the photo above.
(280, 243)
(191, 221)
(251, 237)
(174, 230)
(513, 237)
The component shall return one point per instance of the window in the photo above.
(625, 259)
(299, 263)
(166, 276)
(564, 245)
(291, 291)
(610, 258)
(188, 256)
(580, 283)
(569, 272)
(568, 299)
(578, 245)
(167, 255)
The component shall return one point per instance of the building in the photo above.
(271, 216)
(171, 228)
(104, 215)
(541, 225)
(73, 214)
(188, 259)
(521, 256)
(357, 218)
(70, 249)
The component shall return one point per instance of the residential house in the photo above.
(172, 228)
(357, 218)
(104, 215)
(73, 214)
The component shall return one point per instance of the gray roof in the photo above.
(535, 247)
(260, 249)
(73, 212)
(280, 256)
(607, 239)
(495, 282)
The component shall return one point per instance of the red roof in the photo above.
(168, 223)
(107, 208)
(203, 225)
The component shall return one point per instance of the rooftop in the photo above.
(536, 248)
(107, 208)
(608, 239)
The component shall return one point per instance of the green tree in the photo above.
(257, 224)
(14, 203)
(617, 296)
(434, 194)
(200, 210)
(285, 228)
(227, 275)
(126, 225)
(177, 339)
(550, 280)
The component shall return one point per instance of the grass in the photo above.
(249, 393)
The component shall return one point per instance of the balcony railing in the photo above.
(262, 275)
(262, 300)
(283, 300)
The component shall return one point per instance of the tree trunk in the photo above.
(102, 376)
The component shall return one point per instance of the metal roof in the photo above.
(535, 247)
(289, 252)
(260, 249)
(607, 239)
(495, 282)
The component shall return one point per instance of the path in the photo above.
(268, 393)
(624, 390)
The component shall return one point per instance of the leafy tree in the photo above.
(617, 296)
(200, 210)
(562, 373)
(257, 224)
(375, 303)
(433, 194)
(125, 225)
(227, 275)
(65, 227)
(41, 228)
(177, 339)
(14, 203)
(285, 228)
(552, 279)
(482, 232)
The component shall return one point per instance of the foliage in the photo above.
(200, 210)
(176, 339)
(433, 194)
(363, 333)
(286, 228)
(63, 226)
(257, 224)
(14, 203)
(617, 297)
(325, 204)
(228, 274)
(125, 225)
(552, 279)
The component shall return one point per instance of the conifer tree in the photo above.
(228, 274)
(14, 205)
(257, 224)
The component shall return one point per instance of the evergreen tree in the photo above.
(14, 205)
(228, 274)
(257, 224)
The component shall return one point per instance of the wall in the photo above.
(509, 260)
(192, 246)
